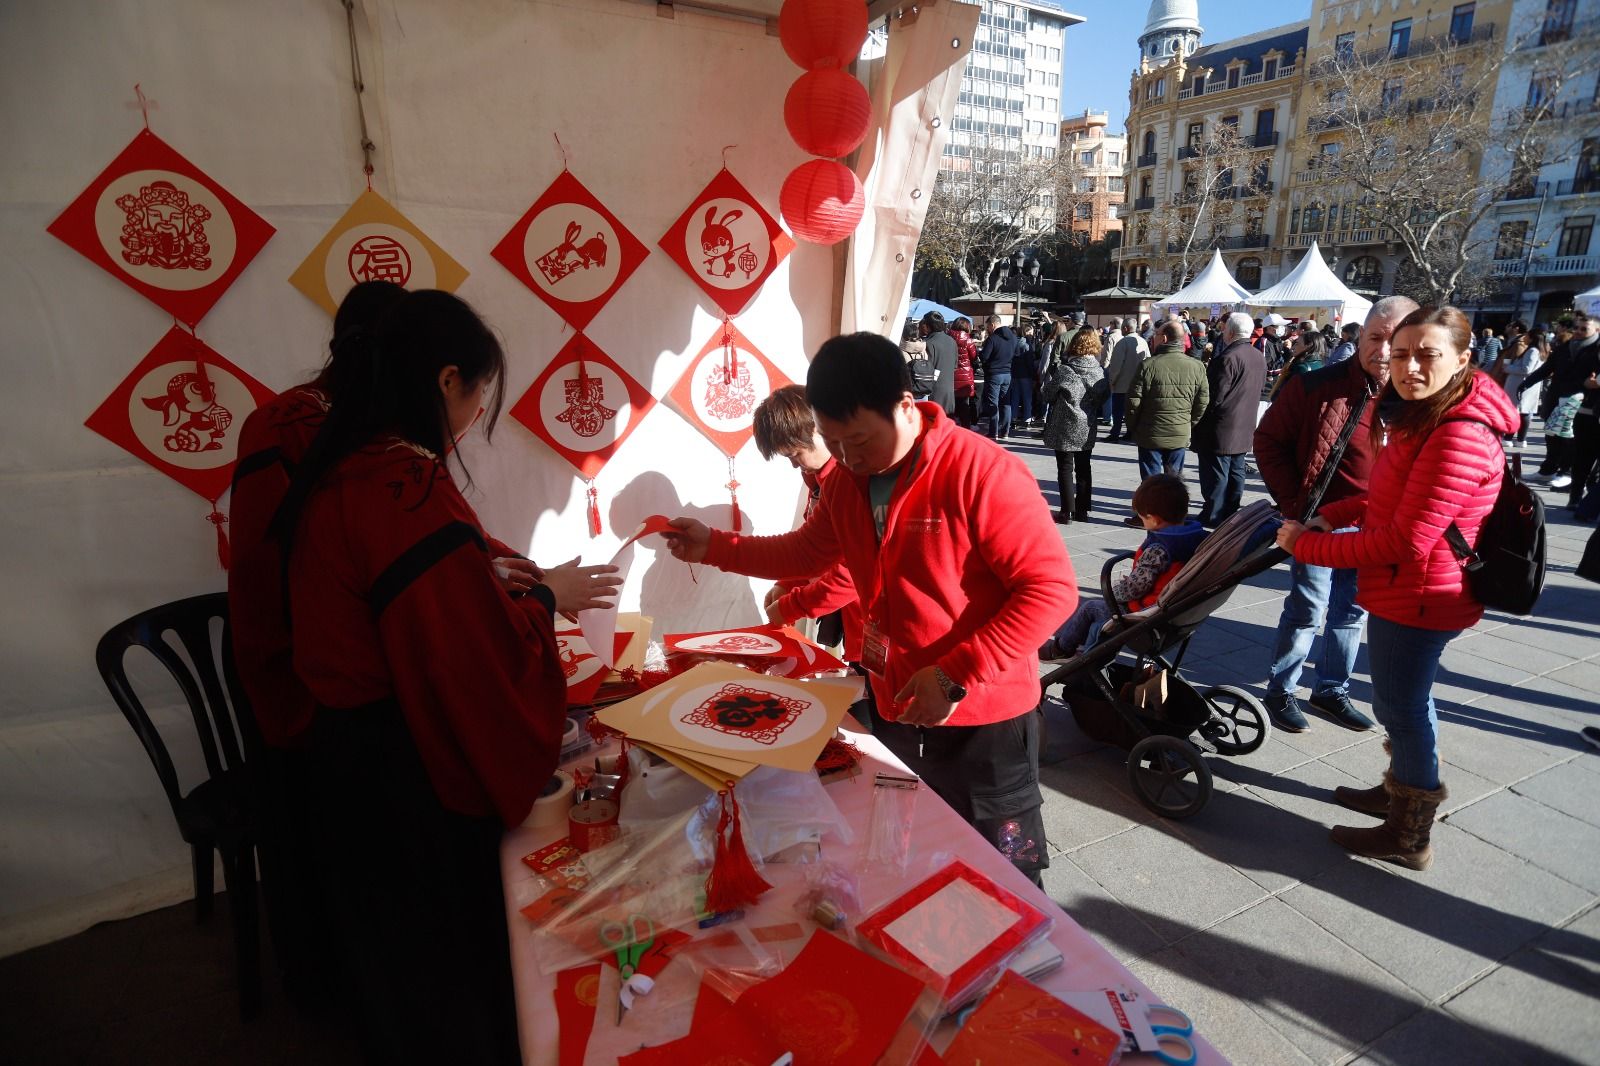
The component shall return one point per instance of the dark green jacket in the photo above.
(1166, 399)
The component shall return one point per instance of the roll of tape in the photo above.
(593, 824)
(550, 809)
(569, 736)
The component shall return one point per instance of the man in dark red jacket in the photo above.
(1222, 438)
(1292, 445)
(961, 573)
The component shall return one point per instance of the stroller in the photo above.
(1164, 764)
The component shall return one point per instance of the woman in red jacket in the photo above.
(966, 380)
(1439, 462)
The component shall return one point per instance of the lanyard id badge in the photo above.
(875, 649)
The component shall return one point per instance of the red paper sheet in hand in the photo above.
(655, 524)
(834, 1005)
(1020, 1024)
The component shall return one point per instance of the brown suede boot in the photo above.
(1404, 836)
(1373, 801)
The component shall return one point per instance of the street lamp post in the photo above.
(1026, 269)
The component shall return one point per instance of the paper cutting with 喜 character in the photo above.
(163, 227)
(571, 251)
(373, 241)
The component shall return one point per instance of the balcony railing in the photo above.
(1147, 160)
(1221, 85)
(1418, 46)
(1262, 140)
(1248, 240)
(1528, 190)
(1546, 266)
(1555, 31)
(1578, 186)
(1191, 151)
(1239, 192)
(1144, 203)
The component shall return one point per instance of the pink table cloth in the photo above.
(937, 833)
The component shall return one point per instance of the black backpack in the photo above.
(1506, 571)
(922, 376)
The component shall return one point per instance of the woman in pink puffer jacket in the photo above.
(1439, 461)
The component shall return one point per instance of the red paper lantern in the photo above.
(822, 33)
(827, 112)
(822, 201)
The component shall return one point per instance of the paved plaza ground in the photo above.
(1285, 949)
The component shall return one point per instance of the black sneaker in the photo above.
(1592, 735)
(1337, 705)
(1134, 520)
(1286, 713)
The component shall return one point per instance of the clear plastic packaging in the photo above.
(894, 808)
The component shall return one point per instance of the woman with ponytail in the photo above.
(1439, 461)
(440, 697)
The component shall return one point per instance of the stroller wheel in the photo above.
(1169, 776)
(1238, 724)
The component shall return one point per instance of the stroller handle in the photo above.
(1105, 581)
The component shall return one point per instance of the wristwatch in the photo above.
(953, 692)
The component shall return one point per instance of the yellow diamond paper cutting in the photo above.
(374, 242)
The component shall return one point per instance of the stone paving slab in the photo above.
(1568, 789)
(1542, 835)
(1436, 1036)
(1273, 847)
(1119, 929)
(1540, 999)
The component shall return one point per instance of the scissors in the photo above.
(1173, 1030)
(629, 940)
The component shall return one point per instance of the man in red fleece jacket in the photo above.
(961, 574)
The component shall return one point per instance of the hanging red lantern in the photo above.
(822, 33)
(822, 201)
(827, 112)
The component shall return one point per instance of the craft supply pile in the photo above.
(697, 895)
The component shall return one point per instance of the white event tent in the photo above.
(1311, 286)
(1214, 286)
(1589, 301)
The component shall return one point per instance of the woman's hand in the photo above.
(517, 574)
(689, 539)
(582, 588)
(1288, 533)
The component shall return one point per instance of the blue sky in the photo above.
(1101, 53)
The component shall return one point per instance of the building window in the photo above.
(1144, 188)
(1311, 221)
(1400, 37)
(1364, 272)
(1085, 211)
(1196, 134)
(1264, 120)
(1116, 184)
(1344, 47)
(1461, 22)
(1248, 272)
(1294, 221)
(1542, 89)
(1113, 159)
(1231, 120)
(1393, 90)
(1259, 174)
(1328, 154)
(1198, 86)
(1086, 158)
(1161, 88)
(1558, 21)
(1575, 236)
(1233, 76)
(1149, 142)
(1269, 69)
(1512, 241)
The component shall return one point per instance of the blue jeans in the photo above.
(1119, 407)
(1022, 398)
(1083, 625)
(1405, 661)
(1221, 486)
(1317, 594)
(997, 405)
(1154, 461)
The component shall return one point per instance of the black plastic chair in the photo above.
(215, 815)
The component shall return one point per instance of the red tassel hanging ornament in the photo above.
(733, 494)
(734, 881)
(224, 549)
(730, 355)
(594, 511)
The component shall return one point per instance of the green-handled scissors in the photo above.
(629, 939)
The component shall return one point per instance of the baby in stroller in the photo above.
(1162, 503)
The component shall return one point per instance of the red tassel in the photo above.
(224, 550)
(733, 493)
(733, 882)
(594, 512)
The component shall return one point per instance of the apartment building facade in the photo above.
(1102, 186)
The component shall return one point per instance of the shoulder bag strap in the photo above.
(1329, 468)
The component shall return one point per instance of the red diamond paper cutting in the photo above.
(571, 251)
(727, 243)
(583, 405)
(724, 383)
(156, 222)
(373, 241)
(181, 410)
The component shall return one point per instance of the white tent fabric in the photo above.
(1212, 287)
(1588, 302)
(1312, 285)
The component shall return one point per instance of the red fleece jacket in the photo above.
(974, 575)
(833, 591)
(1405, 571)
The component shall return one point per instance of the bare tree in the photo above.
(993, 202)
(1218, 176)
(1414, 133)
